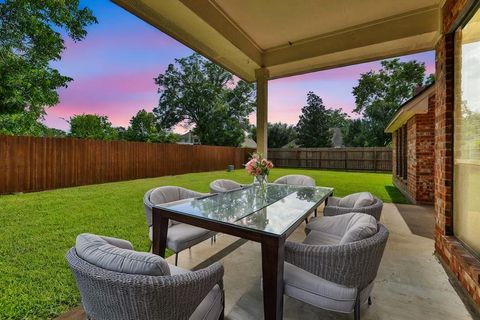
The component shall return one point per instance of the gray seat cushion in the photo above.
(341, 229)
(170, 194)
(296, 180)
(360, 226)
(316, 291)
(335, 225)
(356, 200)
(309, 288)
(211, 306)
(365, 199)
(99, 252)
(224, 185)
(321, 238)
(181, 236)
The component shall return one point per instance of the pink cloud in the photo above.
(119, 96)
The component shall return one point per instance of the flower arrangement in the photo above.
(259, 167)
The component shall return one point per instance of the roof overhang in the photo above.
(289, 38)
(416, 105)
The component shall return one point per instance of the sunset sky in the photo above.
(114, 67)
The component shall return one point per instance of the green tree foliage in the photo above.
(92, 126)
(315, 122)
(198, 93)
(20, 124)
(354, 134)
(143, 128)
(279, 134)
(379, 94)
(29, 41)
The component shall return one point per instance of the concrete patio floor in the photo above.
(411, 283)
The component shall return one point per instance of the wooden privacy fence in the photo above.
(33, 164)
(364, 159)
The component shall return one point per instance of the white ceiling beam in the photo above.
(407, 25)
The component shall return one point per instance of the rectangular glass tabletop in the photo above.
(272, 211)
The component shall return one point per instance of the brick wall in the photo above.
(412, 158)
(419, 185)
(461, 262)
(424, 150)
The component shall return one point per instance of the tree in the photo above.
(279, 134)
(354, 134)
(143, 128)
(18, 124)
(92, 126)
(198, 93)
(379, 94)
(29, 41)
(315, 122)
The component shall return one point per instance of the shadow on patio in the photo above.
(411, 283)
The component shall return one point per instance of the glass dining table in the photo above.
(267, 216)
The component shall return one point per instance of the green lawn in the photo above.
(37, 229)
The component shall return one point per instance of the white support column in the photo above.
(262, 76)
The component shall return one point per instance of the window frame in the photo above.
(462, 22)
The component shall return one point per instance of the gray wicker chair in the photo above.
(337, 277)
(180, 236)
(224, 185)
(296, 180)
(182, 294)
(335, 207)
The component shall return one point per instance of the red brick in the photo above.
(461, 262)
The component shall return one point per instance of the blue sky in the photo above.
(114, 67)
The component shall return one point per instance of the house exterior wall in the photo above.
(412, 158)
(419, 185)
(424, 151)
(464, 265)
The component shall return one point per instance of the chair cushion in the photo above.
(348, 201)
(321, 238)
(355, 200)
(97, 251)
(333, 202)
(307, 287)
(365, 199)
(211, 306)
(296, 180)
(181, 236)
(170, 194)
(360, 226)
(224, 185)
(335, 225)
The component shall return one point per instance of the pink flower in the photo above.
(269, 165)
(259, 171)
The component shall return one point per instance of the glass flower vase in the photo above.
(262, 182)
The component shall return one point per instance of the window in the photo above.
(401, 152)
(466, 199)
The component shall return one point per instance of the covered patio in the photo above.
(259, 41)
(411, 283)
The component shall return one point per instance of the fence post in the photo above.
(346, 159)
(375, 160)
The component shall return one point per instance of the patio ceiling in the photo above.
(289, 37)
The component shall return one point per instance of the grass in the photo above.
(38, 228)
